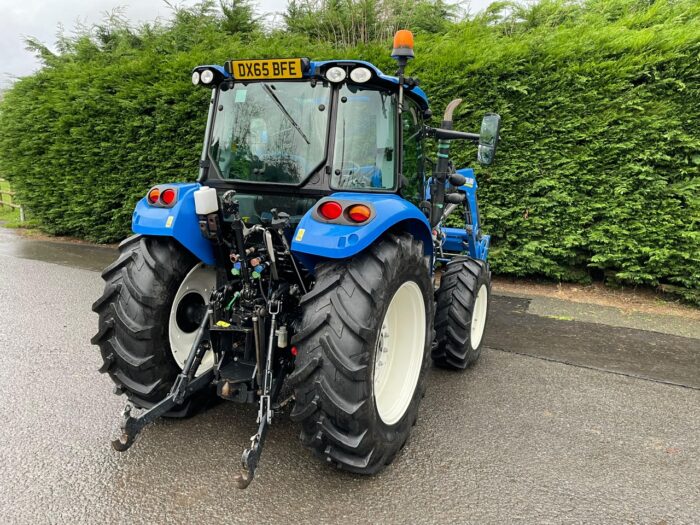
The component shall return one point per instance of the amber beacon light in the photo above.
(403, 44)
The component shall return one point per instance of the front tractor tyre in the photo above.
(154, 300)
(363, 353)
(462, 303)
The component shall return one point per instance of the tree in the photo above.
(239, 17)
(349, 23)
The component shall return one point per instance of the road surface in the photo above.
(559, 422)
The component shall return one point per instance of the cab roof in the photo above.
(317, 68)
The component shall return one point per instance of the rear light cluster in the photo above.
(344, 213)
(162, 196)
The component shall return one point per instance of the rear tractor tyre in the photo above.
(461, 312)
(363, 353)
(155, 296)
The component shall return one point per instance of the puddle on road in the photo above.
(83, 256)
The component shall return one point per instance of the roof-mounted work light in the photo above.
(360, 75)
(208, 76)
(336, 74)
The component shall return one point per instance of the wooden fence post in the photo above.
(10, 203)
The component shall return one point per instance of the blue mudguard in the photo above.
(179, 222)
(315, 240)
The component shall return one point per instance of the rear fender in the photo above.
(179, 222)
(314, 240)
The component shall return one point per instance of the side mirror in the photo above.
(488, 138)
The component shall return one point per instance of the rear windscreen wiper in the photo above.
(286, 113)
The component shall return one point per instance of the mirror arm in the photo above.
(449, 134)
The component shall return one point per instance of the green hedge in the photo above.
(598, 170)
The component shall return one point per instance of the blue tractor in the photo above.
(308, 265)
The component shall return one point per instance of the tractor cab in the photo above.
(284, 133)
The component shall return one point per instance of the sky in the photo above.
(41, 19)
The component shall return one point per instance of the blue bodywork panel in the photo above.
(314, 240)
(179, 222)
(469, 238)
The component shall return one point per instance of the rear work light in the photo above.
(206, 76)
(359, 213)
(336, 74)
(330, 210)
(360, 75)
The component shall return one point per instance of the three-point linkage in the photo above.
(184, 386)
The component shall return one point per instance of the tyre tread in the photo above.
(133, 314)
(455, 302)
(332, 382)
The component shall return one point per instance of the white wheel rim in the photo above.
(479, 316)
(196, 288)
(399, 353)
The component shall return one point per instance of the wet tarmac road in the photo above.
(87, 256)
(519, 438)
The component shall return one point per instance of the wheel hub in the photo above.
(382, 355)
(190, 312)
(186, 312)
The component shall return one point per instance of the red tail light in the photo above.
(330, 210)
(153, 195)
(168, 196)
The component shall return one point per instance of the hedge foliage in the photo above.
(598, 171)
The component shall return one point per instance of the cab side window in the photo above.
(364, 155)
(413, 166)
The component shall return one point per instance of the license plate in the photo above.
(275, 68)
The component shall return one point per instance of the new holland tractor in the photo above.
(301, 268)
